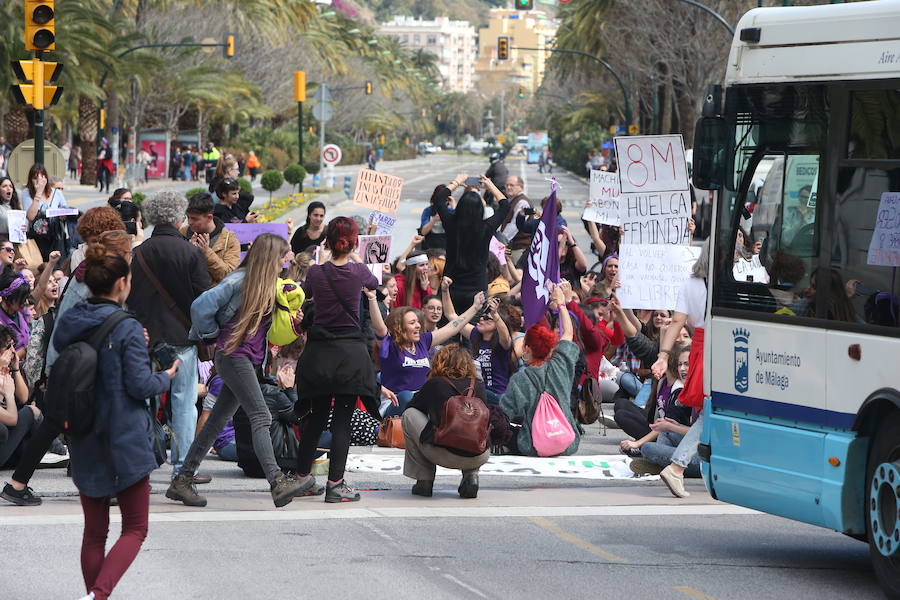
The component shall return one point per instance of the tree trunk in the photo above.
(15, 123)
(87, 131)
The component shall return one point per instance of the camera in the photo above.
(529, 211)
(163, 355)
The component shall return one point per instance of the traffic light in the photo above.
(34, 92)
(229, 46)
(40, 27)
(369, 88)
(633, 130)
(521, 92)
(503, 47)
(524, 4)
(300, 86)
(102, 118)
(381, 139)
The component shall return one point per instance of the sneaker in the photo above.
(24, 497)
(308, 485)
(642, 466)
(56, 457)
(608, 421)
(468, 487)
(88, 597)
(674, 482)
(183, 490)
(340, 492)
(631, 452)
(201, 479)
(57, 447)
(423, 488)
(285, 488)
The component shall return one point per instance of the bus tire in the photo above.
(883, 504)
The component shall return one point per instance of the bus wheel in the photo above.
(883, 505)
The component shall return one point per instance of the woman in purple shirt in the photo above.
(335, 368)
(14, 292)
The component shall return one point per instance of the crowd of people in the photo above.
(270, 353)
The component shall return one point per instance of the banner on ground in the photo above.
(884, 249)
(542, 265)
(651, 163)
(652, 274)
(603, 204)
(374, 249)
(378, 191)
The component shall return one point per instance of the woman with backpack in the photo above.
(452, 373)
(116, 457)
(238, 314)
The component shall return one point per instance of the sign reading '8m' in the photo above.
(651, 163)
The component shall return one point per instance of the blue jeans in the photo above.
(228, 452)
(660, 452)
(686, 452)
(395, 411)
(629, 384)
(183, 400)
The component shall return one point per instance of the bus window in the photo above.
(866, 286)
(874, 131)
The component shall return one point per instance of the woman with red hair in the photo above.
(550, 368)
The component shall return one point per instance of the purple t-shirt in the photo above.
(252, 348)
(349, 280)
(493, 363)
(402, 371)
(19, 325)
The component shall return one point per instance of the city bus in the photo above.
(802, 368)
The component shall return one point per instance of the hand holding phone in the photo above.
(473, 181)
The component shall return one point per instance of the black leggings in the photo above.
(631, 418)
(313, 426)
(34, 450)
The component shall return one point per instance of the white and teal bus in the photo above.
(802, 145)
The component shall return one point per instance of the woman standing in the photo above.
(335, 367)
(9, 200)
(237, 313)
(117, 462)
(38, 197)
(311, 234)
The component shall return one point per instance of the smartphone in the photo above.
(131, 227)
(529, 211)
(163, 355)
(473, 181)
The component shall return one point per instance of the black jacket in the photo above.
(181, 269)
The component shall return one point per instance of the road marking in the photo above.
(297, 512)
(583, 544)
(463, 585)
(689, 591)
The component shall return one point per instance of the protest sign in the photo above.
(884, 249)
(378, 191)
(651, 163)
(374, 249)
(377, 271)
(499, 251)
(383, 223)
(655, 218)
(652, 275)
(62, 212)
(604, 198)
(750, 270)
(247, 232)
(18, 225)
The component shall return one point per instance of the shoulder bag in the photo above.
(465, 422)
(390, 433)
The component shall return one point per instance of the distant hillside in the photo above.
(473, 11)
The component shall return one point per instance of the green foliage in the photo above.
(271, 181)
(246, 187)
(196, 190)
(138, 198)
(295, 174)
(312, 167)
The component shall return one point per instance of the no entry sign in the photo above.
(331, 154)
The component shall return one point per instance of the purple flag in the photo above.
(542, 266)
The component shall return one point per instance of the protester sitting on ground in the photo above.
(605, 239)
(238, 314)
(18, 420)
(550, 368)
(413, 279)
(437, 260)
(491, 345)
(91, 224)
(433, 311)
(389, 294)
(299, 267)
(511, 313)
(498, 285)
(404, 349)
(452, 374)
(609, 277)
(469, 235)
(598, 331)
(312, 233)
(14, 292)
(118, 460)
(207, 232)
(232, 208)
(50, 297)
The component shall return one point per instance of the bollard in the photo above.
(347, 180)
(329, 177)
(317, 180)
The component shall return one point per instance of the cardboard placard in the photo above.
(884, 248)
(499, 251)
(655, 218)
(383, 223)
(18, 226)
(375, 249)
(652, 275)
(651, 163)
(604, 198)
(378, 191)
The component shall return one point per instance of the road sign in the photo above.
(331, 154)
(323, 94)
(21, 159)
(322, 112)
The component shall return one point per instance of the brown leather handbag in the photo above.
(465, 422)
(390, 433)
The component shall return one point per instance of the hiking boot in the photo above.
(308, 485)
(183, 489)
(423, 488)
(468, 487)
(340, 492)
(24, 497)
(674, 482)
(285, 488)
(642, 466)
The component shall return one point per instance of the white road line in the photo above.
(194, 516)
(463, 585)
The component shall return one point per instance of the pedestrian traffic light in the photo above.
(300, 86)
(633, 130)
(229, 46)
(34, 92)
(369, 88)
(521, 92)
(381, 139)
(40, 27)
(503, 47)
(524, 4)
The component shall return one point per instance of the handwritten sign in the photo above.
(651, 163)
(652, 275)
(18, 225)
(378, 191)
(750, 270)
(655, 218)
(604, 198)
(374, 249)
(884, 249)
(383, 223)
(498, 250)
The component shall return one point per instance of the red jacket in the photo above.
(596, 338)
(418, 294)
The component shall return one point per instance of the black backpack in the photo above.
(69, 401)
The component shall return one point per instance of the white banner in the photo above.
(651, 163)
(655, 218)
(604, 198)
(652, 275)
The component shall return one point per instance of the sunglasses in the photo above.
(8, 248)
